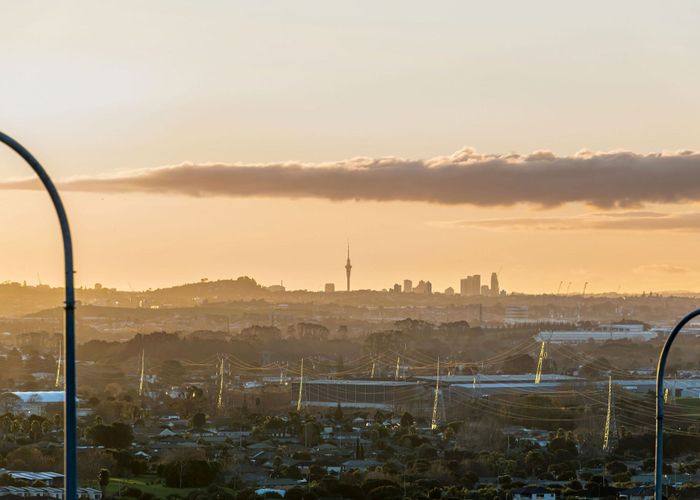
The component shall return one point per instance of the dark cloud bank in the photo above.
(606, 180)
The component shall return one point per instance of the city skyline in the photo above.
(253, 149)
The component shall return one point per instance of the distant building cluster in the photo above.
(471, 285)
(423, 287)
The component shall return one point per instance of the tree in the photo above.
(190, 473)
(257, 333)
(35, 430)
(117, 435)
(407, 420)
(103, 479)
(535, 461)
(171, 372)
(199, 420)
(312, 331)
(426, 452)
(338, 414)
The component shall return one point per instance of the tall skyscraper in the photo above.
(348, 267)
(407, 286)
(464, 286)
(471, 285)
(494, 284)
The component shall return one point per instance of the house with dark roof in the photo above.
(534, 493)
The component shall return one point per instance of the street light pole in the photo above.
(659, 463)
(70, 464)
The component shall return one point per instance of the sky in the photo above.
(543, 140)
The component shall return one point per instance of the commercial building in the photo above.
(424, 287)
(329, 287)
(495, 290)
(635, 333)
(471, 285)
(407, 286)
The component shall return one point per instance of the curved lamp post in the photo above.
(69, 420)
(658, 466)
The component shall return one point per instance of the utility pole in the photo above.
(220, 399)
(348, 267)
(540, 362)
(434, 421)
(143, 371)
(301, 385)
(610, 436)
(58, 365)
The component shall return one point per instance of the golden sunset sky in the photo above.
(442, 138)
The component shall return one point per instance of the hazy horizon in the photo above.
(550, 145)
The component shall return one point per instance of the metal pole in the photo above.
(659, 463)
(70, 464)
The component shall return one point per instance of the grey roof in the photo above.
(520, 377)
(32, 476)
(515, 386)
(385, 383)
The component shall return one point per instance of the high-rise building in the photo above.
(329, 287)
(396, 288)
(494, 285)
(407, 286)
(348, 267)
(484, 290)
(425, 287)
(471, 285)
(449, 291)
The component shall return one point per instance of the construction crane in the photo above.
(559, 287)
(567, 288)
(584, 289)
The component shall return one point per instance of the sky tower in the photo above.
(348, 267)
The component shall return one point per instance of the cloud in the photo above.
(612, 180)
(620, 221)
(661, 269)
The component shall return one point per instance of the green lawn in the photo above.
(690, 406)
(140, 482)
